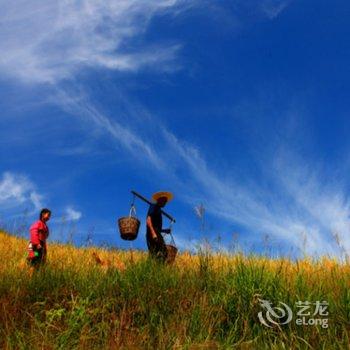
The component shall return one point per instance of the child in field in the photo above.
(39, 233)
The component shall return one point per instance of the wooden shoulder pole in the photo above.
(149, 202)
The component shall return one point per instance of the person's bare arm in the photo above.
(150, 225)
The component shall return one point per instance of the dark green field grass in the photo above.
(129, 302)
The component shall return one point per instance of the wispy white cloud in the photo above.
(189, 244)
(18, 189)
(50, 42)
(294, 211)
(77, 104)
(273, 8)
(72, 214)
(36, 199)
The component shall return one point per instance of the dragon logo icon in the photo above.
(274, 315)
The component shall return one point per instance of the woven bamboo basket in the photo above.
(128, 227)
(171, 253)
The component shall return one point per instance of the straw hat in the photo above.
(169, 196)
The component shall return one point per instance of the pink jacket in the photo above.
(39, 232)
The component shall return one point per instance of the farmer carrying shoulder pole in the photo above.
(155, 240)
(39, 232)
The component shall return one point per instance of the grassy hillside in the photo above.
(100, 299)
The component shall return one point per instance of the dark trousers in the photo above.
(156, 247)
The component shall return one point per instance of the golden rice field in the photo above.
(93, 298)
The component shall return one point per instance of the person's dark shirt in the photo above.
(155, 213)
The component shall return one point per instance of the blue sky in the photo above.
(241, 106)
